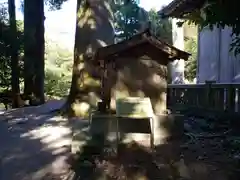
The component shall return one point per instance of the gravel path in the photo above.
(34, 145)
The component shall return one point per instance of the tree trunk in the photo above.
(29, 9)
(40, 51)
(94, 29)
(34, 49)
(14, 56)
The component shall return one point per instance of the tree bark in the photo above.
(40, 51)
(94, 29)
(16, 101)
(34, 50)
(29, 11)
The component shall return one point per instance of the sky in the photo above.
(60, 25)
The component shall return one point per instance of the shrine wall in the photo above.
(140, 77)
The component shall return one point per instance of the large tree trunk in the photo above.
(40, 51)
(14, 55)
(34, 49)
(94, 29)
(29, 11)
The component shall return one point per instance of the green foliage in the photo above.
(52, 4)
(3, 13)
(191, 64)
(58, 70)
(55, 4)
(224, 13)
(58, 60)
(161, 27)
(128, 18)
(5, 51)
(220, 13)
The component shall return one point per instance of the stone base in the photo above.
(167, 127)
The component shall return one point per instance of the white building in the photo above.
(215, 62)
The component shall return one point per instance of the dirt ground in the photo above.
(208, 150)
(34, 143)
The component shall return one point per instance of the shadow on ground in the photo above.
(34, 144)
(203, 158)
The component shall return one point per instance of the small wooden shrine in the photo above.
(136, 67)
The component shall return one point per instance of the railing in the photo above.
(209, 96)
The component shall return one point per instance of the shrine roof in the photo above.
(145, 37)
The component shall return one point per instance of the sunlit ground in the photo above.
(35, 145)
(208, 150)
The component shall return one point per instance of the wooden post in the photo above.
(208, 98)
(230, 98)
(103, 103)
(152, 132)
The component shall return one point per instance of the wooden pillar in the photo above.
(231, 98)
(105, 86)
(102, 105)
(209, 94)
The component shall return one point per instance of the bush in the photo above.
(58, 70)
